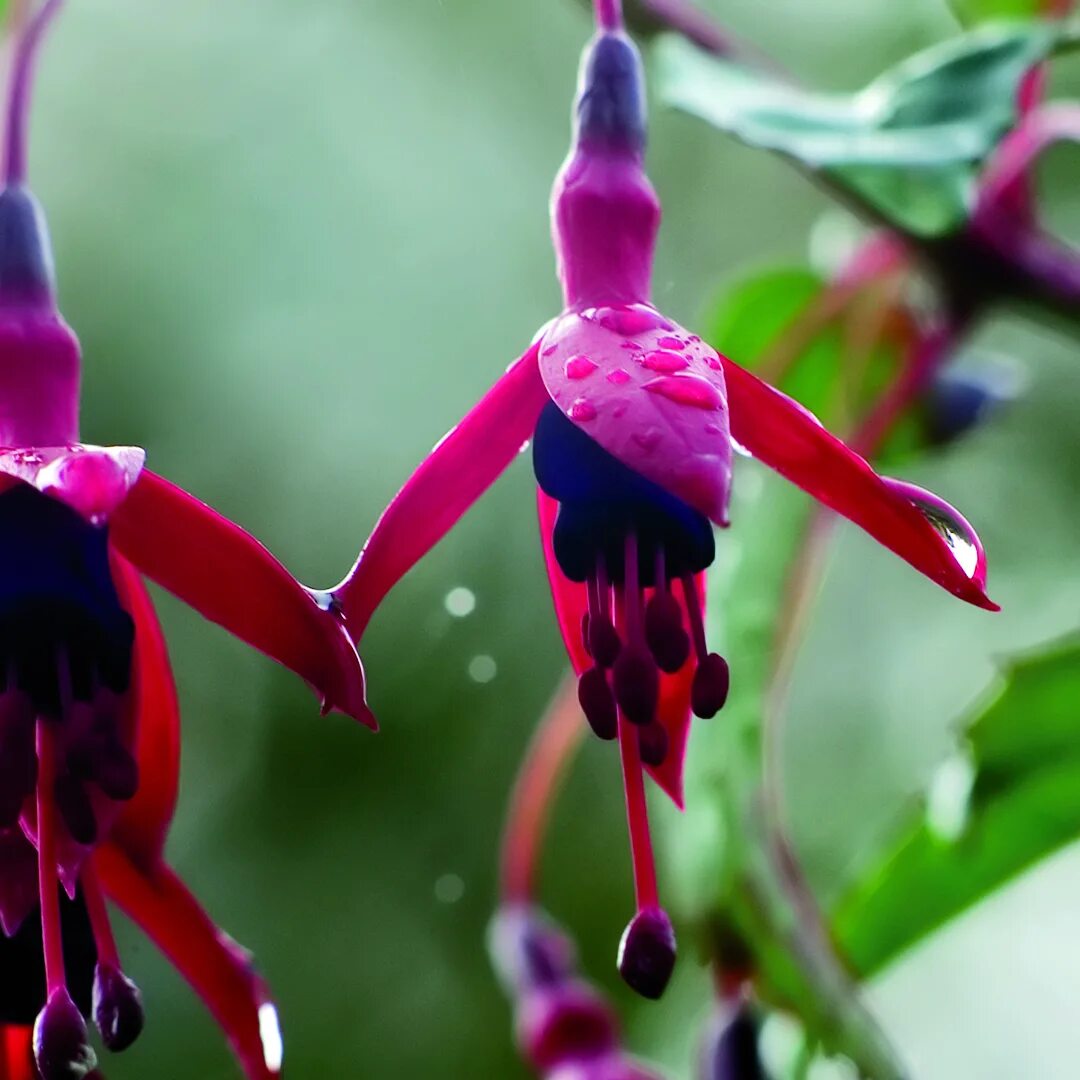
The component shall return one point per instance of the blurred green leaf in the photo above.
(1024, 803)
(970, 12)
(908, 145)
(826, 349)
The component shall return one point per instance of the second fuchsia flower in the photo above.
(633, 420)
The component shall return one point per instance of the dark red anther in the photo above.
(75, 808)
(115, 770)
(604, 644)
(637, 685)
(710, 687)
(598, 703)
(118, 1010)
(585, 633)
(653, 744)
(667, 640)
(647, 952)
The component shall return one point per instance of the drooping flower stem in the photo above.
(609, 14)
(47, 859)
(535, 789)
(18, 101)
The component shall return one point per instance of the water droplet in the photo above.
(550, 350)
(648, 440)
(482, 669)
(579, 367)
(713, 361)
(449, 888)
(582, 411)
(629, 319)
(619, 377)
(713, 429)
(665, 361)
(949, 524)
(460, 602)
(693, 339)
(687, 389)
(270, 1037)
(739, 448)
(671, 343)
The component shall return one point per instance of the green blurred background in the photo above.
(298, 240)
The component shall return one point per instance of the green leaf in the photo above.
(785, 325)
(1024, 748)
(970, 12)
(908, 146)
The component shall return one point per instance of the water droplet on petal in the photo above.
(739, 448)
(667, 362)
(687, 389)
(961, 539)
(713, 361)
(582, 411)
(549, 350)
(671, 343)
(629, 319)
(647, 440)
(579, 367)
(619, 376)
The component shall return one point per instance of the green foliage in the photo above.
(1024, 748)
(908, 146)
(970, 12)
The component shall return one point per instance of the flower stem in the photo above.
(609, 14)
(18, 102)
(51, 937)
(537, 784)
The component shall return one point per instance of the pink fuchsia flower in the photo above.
(89, 731)
(565, 1029)
(633, 420)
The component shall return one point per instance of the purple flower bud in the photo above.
(118, 1009)
(61, 1042)
(611, 98)
(564, 1023)
(528, 951)
(647, 952)
(730, 1051)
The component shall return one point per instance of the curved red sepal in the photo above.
(218, 969)
(571, 603)
(228, 576)
(144, 821)
(460, 468)
(786, 437)
(17, 1053)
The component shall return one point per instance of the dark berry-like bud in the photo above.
(598, 703)
(118, 1009)
(653, 743)
(564, 1023)
(668, 641)
(604, 643)
(61, 1042)
(637, 685)
(528, 950)
(730, 1051)
(709, 690)
(647, 952)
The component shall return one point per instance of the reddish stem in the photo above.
(51, 938)
(535, 788)
(22, 78)
(94, 896)
(637, 816)
(609, 14)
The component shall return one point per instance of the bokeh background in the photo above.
(298, 240)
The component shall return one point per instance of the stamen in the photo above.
(61, 1046)
(667, 640)
(636, 679)
(647, 950)
(117, 1008)
(603, 639)
(653, 743)
(598, 703)
(712, 679)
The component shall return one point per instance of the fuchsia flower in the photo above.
(633, 420)
(89, 730)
